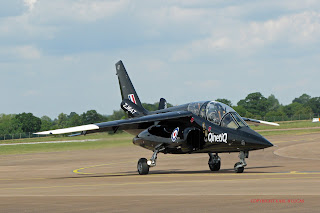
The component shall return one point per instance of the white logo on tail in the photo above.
(129, 108)
(132, 98)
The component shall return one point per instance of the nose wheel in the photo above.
(144, 164)
(143, 167)
(239, 167)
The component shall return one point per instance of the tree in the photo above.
(303, 99)
(62, 121)
(117, 115)
(46, 123)
(278, 114)
(9, 124)
(314, 104)
(28, 122)
(74, 119)
(294, 109)
(241, 111)
(255, 103)
(91, 116)
(273, 103)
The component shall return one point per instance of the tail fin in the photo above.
(126, 87)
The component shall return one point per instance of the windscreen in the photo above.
(229, 122)
(239, 119)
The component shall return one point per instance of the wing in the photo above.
(134, 123)
(258, 122)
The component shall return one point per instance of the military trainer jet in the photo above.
(199, 127)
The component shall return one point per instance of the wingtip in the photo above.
(269, 123)
(43, 133)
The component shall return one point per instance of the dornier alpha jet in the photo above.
(199, 127)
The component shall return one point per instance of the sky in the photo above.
(59, 56)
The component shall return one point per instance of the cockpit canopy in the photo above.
(218, 113)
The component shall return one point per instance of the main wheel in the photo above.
(238, 169)
(214, 166)
(142, 166)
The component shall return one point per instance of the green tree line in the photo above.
(255, 105)
(27, 122)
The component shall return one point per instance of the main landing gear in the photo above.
(239, 167)
(144, 164)
(214, 162)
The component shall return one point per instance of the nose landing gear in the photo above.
(239, 167)
(144, 164)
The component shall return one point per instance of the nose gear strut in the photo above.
(144, 164)
(239, 167)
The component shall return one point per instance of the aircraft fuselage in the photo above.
(198, 135)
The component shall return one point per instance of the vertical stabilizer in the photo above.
(126, 87)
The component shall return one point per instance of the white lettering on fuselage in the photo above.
(221, 138)
(129, 108)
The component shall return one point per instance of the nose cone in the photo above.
(256, 141)
(259, 142)
(264, 142)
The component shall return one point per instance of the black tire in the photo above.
(214, 166)
(238, 169)
(142, 166)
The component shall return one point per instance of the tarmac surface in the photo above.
(285, 178)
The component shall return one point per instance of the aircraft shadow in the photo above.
(221, 171)
(170, 172)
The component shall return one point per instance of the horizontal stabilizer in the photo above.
(255, 122)
(76, 134)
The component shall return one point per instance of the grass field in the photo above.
(288, 125)
(105, 140)
(102, 135)
(290, 132)
(288, 128)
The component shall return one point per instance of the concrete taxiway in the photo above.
(285, 178)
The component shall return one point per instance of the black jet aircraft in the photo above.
(199, 127)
